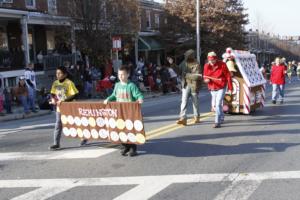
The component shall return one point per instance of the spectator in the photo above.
(7, 100)
(87, 82)
(21, 92)
(43, 99)
(31, 85)
(1, 96)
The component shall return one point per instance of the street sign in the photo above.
(117, 43)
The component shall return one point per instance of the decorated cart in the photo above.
(248, 85)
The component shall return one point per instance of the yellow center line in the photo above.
(166, 129)
(159, 133)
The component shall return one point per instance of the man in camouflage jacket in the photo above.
(189, 70)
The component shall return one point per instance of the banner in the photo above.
(115, 122)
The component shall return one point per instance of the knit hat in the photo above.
(212, 56)
(188, 53)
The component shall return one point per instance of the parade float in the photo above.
(248, 83)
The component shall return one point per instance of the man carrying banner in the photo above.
(126, 91)
(217, 76)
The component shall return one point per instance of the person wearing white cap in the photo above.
(31, 85)
(217, 77)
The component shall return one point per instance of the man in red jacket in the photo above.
(277, 80)
(217, 77)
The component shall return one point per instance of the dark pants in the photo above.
(130, 146)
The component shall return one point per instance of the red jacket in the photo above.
(278, 74)
(218, 71)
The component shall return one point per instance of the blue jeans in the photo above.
(218, 96)
(57, 129)
(31, 98)
(24, 101)
(277, 89)
(186, 93)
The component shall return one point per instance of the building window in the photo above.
(3, 39)
(156, 20)
(148, 17)
(50, 40)
(52, 7)
(30, 3)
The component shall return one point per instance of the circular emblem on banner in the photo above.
(66, 131)
(114, 136)
(120, 124)
(95, 134)
(138, 125)
(131, 137)
(103, 133)
(112, 123)
(123, 137)
(79, 133)
(70, 120)
(77, 121)
(140, 138)
(100, 122)
(129, 124)
(84, 121)
(92, 122)
(73, 132)
(86, 134)
(64, 119)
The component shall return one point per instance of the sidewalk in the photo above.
(18, 111)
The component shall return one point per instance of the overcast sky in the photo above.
(275, 16)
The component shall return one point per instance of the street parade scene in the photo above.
(149, 99)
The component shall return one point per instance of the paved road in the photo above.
(250, 157)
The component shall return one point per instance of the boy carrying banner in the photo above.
(126, 91)
(62, 90)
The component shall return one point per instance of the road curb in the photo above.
(18, 116)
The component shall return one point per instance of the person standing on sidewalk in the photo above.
(62, 90)
(31, 85)
(277, 80)
(217, 77)
(189, 70)
(126, 91)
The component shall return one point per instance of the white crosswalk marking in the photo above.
(243, 185)
(56, 155)
(42, 193)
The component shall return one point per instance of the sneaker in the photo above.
(273, 101)
(54, 147)
(281, 102)
(132, 152)
(35, 111)
(124, 151)
(217, 125)
(83, 142)
(181, 121)
(196, 120)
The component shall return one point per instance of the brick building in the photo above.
(27, 28)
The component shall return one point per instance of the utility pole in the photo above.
(198, 30)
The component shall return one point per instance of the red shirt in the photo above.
(218, 71)
(278, 74)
